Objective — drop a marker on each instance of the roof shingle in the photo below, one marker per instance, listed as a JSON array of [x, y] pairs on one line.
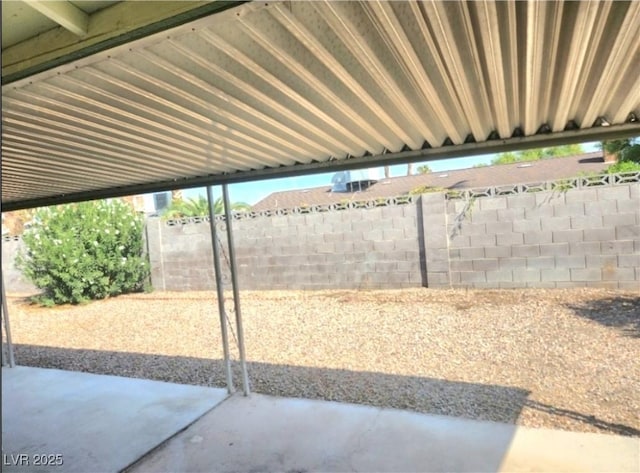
[[504, 174]]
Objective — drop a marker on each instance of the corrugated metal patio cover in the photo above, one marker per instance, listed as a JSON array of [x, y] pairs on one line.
[[272, 85]]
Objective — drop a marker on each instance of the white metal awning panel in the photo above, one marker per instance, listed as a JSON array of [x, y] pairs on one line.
[[267, 85]]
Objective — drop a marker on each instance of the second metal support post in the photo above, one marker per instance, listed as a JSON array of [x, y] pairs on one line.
[[236, 292], [220, 291]]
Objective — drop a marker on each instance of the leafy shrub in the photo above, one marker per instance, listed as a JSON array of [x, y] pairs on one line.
[[425, 190], [623, 166], [85, 251], [626, 149]]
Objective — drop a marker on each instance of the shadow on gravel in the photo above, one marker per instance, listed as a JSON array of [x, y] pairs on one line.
[[611, 427], [621, 312], [418, 394]]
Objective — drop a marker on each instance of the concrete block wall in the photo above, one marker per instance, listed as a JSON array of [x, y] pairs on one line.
[[435, 241], [579, 238], [181, 256], [358, 248]]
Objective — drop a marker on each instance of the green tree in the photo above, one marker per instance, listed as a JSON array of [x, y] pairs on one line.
[[84, 251], [564, 150], [505, 158], [199, 207], [627, 152], [424, 169], [624, 166], [537, 154], [625, 149]]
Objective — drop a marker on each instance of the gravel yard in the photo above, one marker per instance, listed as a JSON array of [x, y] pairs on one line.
[[567, 359]]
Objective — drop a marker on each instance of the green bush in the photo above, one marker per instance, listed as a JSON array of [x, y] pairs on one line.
[[425, 190], [85, 251], [626, 149], [623, 166]]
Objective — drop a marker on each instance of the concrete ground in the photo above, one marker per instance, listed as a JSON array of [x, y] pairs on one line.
[[268, 434], [104, 423], [91, 423]]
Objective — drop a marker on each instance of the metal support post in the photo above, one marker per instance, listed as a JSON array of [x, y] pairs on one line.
[[236, 293], [7, 328], [220, 292]]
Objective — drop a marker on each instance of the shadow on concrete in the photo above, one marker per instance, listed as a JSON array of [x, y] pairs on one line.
[[71, 422], [620, 311], [418, 394], [117, 424]]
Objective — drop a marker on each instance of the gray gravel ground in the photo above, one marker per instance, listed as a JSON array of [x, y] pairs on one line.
[[565, 359]]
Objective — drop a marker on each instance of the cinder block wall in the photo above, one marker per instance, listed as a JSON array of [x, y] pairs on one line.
[[579, 238], [357, 248], [181, 257]]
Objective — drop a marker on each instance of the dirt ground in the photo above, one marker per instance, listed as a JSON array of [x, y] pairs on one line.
[[567, 359]]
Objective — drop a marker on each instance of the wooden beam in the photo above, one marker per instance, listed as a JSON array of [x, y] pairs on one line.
[[64, 13], [113, 26]]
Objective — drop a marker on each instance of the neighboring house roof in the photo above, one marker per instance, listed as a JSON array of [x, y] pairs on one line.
[[504, 174]]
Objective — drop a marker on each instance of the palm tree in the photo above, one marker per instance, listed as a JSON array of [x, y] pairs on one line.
[[199, 207]]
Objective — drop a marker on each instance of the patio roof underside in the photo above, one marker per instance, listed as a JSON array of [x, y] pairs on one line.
[[273, 89]]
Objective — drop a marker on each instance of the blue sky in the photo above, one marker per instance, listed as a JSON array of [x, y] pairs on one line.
[[252, 192]]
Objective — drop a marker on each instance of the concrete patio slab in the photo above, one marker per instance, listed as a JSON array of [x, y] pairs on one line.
[[107, 424], [94, 423], [268, 434]]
